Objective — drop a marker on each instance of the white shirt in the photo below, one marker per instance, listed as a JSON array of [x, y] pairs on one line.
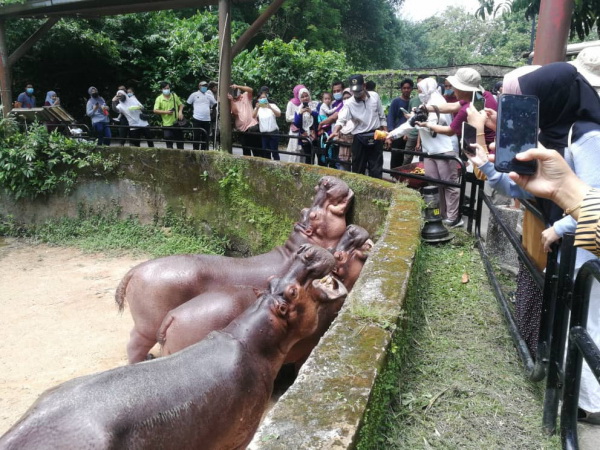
[[267, 121], [367, 114], [133, 115], [202, 103]]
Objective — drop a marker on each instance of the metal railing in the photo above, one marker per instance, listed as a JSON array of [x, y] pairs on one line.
[[187, 135], [580, 347]]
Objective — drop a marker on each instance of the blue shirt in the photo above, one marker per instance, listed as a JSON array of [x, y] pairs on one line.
[[26, 100], [395, 117]]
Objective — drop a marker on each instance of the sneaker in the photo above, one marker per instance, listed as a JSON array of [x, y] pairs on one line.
[[588, 417], [458, 222]]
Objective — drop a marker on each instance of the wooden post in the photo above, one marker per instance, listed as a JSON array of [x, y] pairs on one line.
[[253, 29], [5, 73], [225, 74], [554, 23]]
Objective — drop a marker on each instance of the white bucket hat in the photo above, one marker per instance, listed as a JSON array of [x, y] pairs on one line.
[[588, 65], [466, 79]]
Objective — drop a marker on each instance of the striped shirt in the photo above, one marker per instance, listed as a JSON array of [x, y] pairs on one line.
[[587, 234]]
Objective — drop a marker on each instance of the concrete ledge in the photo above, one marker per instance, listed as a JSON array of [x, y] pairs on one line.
[[325, 408]]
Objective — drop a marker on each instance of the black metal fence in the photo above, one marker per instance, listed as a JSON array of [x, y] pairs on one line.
[[563, 320]]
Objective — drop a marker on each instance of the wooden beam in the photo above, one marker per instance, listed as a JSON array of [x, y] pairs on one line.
[[31, 41], [5, 72], [225, 74], [255, 27]]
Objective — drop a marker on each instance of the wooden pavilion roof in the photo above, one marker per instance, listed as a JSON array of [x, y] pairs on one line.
[[95, 8]]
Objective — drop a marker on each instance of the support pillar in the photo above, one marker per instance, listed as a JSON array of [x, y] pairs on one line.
[[5, 73], [225, 74], [554, 23]]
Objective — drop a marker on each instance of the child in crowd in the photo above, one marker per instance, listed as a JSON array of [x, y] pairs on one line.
[[324, 109]]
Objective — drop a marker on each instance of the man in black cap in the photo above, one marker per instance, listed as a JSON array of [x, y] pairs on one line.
[[365, 110]]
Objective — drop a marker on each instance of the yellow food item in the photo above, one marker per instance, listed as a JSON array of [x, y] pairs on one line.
[[380, 135], [418, 171]]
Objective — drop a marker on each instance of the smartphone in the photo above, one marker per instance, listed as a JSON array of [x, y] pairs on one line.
[[404, 111], [305, 104], [469, 136], [516, 132], [478, 101]]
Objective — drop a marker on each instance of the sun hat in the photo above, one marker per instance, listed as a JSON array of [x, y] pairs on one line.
[[466, 79], [588, 65]]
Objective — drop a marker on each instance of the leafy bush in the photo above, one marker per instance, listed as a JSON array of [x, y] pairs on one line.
[[37, 162], [282, 65]]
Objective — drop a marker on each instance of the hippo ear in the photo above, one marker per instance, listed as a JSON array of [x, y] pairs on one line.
[[341, 257], [329, 288]]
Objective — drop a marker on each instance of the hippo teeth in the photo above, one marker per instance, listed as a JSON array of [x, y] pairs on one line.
[[329, 281]]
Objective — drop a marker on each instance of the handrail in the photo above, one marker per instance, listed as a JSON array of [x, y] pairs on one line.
[[580, 346]]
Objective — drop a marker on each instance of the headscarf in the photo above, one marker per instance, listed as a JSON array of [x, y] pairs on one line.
[[307, 119], [510, 83], [296, 98], [129, 101], [566, 97], [49, 95], [429, 92], [98, 99]]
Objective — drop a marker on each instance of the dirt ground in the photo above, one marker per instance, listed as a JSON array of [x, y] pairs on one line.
[[59, 320]]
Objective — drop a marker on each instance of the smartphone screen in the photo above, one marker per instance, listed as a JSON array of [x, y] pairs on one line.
[[404, 111], [516, 132], [478, 101], [305, 104], [469, 136]]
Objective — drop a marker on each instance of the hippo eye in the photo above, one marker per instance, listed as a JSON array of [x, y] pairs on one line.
[[292, 292]]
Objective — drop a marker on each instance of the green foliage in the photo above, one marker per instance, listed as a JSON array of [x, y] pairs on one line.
[[452, 378], [282, 65], [37, 162], [585, 19], [103, 230]]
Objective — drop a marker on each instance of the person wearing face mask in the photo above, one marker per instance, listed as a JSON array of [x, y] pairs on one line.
[[51, 99], [449, 92], [267, 112], [98, 111], [129, 106], [366, 111], [26, 99], [202, 100], [443, 169], [170, 107], [123, 130], [305, 121]]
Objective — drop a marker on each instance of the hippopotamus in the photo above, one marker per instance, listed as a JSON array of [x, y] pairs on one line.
[[155, 287], [193, 320], [350, 254], [211, 395]]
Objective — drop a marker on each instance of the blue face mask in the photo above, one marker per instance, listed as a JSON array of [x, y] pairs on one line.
[[130, 94], [166, 91], [264, 101], [337, 96], [29, 90], [449, 92], [203, 89]]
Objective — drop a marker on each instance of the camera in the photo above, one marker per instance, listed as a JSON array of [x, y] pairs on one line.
[[421, 115]]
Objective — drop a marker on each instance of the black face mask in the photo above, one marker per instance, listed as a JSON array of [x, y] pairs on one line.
[[122, 98], [95, 95]]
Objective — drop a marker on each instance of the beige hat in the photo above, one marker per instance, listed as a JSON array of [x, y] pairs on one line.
[[588, 65], [466, 79]]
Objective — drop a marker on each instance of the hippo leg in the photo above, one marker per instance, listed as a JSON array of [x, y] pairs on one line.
[[138, 347]]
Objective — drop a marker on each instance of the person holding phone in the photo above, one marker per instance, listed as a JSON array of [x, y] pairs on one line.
[[98, 111], [170, 108], [240, 100], [294, 145], [569, 120], [266, 113], [440, 144], [306, 122]]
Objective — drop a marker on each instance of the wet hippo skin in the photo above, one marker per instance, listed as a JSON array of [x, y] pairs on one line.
[[155, 287], [208, 396]]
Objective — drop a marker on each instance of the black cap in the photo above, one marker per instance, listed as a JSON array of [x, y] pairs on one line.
[[357, 83]]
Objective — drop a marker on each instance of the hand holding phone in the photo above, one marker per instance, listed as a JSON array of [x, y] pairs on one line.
[[478, 101], [469, 136], [517, 131], [404, 111]]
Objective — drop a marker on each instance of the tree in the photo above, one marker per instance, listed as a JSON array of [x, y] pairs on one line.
[[586, 13]]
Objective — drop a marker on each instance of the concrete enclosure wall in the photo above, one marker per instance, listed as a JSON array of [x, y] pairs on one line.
[[254, 203]]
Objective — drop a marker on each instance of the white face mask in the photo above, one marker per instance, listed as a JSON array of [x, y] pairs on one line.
[[423, 98]]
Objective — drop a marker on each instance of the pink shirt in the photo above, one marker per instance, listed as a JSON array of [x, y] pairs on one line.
[[461, 116], [242, 111]]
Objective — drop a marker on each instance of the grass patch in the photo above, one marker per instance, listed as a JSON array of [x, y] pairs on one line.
[[460, 384], [104, 231]]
